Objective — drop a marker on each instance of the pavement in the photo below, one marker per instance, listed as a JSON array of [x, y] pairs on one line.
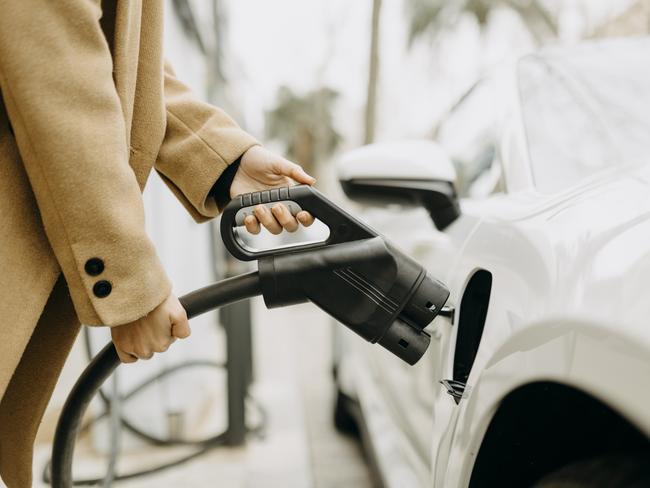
[[300, 447]]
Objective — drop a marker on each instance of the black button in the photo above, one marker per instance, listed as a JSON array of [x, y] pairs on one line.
[[94, 266], [102, 288]]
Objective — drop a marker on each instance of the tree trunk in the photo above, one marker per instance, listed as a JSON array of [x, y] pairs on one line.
[[216, 81], [373, 74]]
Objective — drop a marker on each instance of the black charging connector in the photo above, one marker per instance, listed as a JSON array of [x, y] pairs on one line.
[[356, 275]]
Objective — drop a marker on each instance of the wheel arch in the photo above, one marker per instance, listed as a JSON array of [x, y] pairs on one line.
[[543, 367], [541, 426]]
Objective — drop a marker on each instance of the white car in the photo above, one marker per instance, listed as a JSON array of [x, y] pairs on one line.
[[538, 373]]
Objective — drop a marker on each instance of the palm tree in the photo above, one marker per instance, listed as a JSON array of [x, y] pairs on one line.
[[431, 17], [305, 124]]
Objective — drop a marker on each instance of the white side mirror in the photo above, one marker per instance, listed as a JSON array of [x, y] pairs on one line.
[[408, 172], [404, 160]]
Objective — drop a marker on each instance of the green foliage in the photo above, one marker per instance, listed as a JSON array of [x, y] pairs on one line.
[[424, 16], [429, 18], [305, 124]]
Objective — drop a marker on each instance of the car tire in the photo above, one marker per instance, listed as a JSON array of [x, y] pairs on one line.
[[344, 419], [621, 471]]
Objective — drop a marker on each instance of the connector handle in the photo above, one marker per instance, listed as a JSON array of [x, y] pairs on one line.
[[343, 227]]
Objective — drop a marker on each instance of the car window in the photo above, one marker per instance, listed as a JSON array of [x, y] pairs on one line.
[[468, 134], [585, 109]]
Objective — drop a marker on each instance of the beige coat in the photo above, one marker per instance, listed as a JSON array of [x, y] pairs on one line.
[[87, 110]]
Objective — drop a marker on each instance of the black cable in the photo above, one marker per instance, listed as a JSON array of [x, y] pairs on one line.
[[114, 411], [58, 471], [150, 438], [205, 444]]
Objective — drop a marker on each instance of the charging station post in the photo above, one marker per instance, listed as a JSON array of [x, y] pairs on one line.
[[236, 322]]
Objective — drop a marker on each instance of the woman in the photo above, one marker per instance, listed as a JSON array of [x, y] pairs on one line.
[[88, 108]]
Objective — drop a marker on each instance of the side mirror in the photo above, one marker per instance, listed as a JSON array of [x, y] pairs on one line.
[[408, 173]]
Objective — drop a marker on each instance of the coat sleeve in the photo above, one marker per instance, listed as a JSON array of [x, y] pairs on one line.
[[200, 142], [57, 85]]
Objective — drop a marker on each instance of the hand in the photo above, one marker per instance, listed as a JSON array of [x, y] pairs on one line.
[[153, 333], [260, 169]]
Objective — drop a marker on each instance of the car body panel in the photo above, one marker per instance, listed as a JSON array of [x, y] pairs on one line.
[[573, 311]]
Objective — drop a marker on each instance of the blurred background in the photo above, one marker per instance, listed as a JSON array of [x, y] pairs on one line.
[[311, 80]]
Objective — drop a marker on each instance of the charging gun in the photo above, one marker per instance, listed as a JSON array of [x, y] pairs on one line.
[[355, 275]]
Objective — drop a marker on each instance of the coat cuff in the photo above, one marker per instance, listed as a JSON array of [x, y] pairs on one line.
[[112, 286]]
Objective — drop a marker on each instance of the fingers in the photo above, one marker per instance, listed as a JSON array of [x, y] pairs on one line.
[[277, 218], [181, 328], [125, 357], [260, 169], [252, 225], [305, 218], [266, 218], [284, 218], [143, 351], [164, 345], [145, 355]]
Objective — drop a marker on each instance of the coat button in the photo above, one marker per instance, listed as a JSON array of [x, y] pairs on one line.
[[102, 288], [94, 266]]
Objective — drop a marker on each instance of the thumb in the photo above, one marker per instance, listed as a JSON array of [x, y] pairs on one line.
[[296, 173]]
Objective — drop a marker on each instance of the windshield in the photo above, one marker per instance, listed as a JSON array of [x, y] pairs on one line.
[[585, 109]]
